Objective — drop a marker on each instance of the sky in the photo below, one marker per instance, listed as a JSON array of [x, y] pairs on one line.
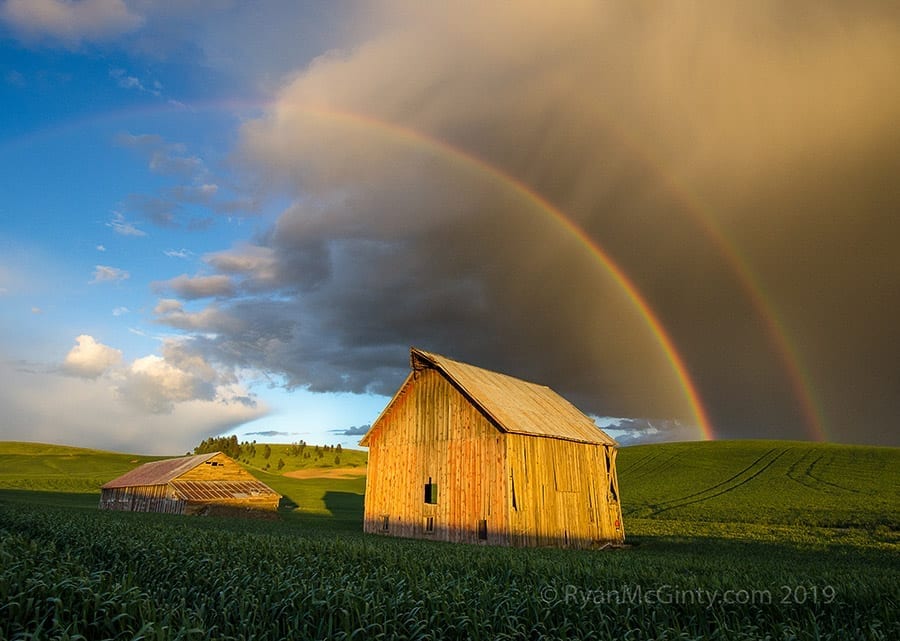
[[230, 217]]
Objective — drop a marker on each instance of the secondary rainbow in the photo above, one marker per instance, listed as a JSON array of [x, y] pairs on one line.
[[749, 282]]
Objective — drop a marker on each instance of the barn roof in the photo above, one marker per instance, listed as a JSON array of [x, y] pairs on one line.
[[159, 472], [514, 405]]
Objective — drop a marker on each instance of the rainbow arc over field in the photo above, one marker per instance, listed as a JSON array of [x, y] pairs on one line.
[[473, 163], [693, 206], [690, 206]]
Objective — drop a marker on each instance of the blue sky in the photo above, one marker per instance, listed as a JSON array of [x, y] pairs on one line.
[[118, 174], [237, 217]]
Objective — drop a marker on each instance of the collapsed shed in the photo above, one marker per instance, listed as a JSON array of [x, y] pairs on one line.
[[205, 483]]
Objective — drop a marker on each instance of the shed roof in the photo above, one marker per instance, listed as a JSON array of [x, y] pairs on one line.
[[159, 472], [514, 405]]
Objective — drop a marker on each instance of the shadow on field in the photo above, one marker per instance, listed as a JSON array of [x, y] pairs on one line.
[[345, 504], [60, 499], [344, 513]]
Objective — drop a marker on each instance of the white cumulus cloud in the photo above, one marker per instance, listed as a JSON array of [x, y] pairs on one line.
[[69, 23], [90, 359], [42, 406]]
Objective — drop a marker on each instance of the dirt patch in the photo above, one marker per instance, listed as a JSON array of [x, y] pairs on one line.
[[327, 473]]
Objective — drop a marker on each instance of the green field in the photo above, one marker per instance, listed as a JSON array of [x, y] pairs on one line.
[[728, 540], [36, 466]]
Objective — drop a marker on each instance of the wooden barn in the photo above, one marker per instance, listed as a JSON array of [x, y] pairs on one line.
[[206, 483], [465, 454]]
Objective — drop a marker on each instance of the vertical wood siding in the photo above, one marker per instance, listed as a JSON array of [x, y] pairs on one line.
[[562, 493], [141, 498], [432, 431]]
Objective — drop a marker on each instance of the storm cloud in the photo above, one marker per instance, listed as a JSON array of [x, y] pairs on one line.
[[738, 161]]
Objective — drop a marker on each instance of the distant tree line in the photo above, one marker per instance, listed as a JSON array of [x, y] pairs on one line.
[[245, 451], [229, 446], [302, 450]]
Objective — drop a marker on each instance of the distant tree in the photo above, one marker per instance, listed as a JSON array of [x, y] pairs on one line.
[[338, 448], [226, 444], [267, 452], [337, 459], [280, 463]]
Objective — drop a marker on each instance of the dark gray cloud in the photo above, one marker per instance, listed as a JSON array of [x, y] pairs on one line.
[[630, 431], [359, 430], [773, 125]]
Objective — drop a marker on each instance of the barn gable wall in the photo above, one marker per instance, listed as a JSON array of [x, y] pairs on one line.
[[219, 468], [432, 431]]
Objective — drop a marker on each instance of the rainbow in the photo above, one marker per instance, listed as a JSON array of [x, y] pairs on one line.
[[773, 325], [691, 205], [447, 151]]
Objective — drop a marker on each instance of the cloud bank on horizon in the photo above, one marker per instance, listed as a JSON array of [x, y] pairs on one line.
[[738, 162]]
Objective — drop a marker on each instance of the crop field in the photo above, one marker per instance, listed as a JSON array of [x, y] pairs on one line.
[[69, 571]]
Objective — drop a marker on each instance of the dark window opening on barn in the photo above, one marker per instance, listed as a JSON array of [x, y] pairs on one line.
[[512, 489], [429, 525], [482, 530], [385, 523], [612, 490], [431, 492]]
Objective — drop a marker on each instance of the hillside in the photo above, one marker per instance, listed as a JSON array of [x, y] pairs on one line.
[[310, 457], [60, 468], [760, 482], [778, 482], [74, 475]]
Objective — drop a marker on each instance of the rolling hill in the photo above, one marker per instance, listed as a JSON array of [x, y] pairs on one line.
[[60, 468], [776, 482], [755, 482]]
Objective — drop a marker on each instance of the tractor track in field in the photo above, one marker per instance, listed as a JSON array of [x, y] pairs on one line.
[[726, 481], [643, 462], [653, 465], [809, 473], [757, 467], [803, 478]]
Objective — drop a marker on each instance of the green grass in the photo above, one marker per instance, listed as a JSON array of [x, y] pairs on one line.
[[76, 573], [59, 468], [769, 482], [802, 536]]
